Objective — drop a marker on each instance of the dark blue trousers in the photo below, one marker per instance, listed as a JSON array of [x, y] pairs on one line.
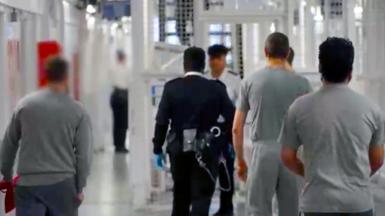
[[49, 200]]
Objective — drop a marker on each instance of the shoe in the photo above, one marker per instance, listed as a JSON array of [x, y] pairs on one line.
[[224, 213], [122, 151]]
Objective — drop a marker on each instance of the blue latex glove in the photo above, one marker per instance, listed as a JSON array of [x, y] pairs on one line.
[[231, 151], [159, 160]]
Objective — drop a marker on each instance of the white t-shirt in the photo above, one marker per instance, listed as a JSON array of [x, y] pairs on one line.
[[120, 76], [232, 81]]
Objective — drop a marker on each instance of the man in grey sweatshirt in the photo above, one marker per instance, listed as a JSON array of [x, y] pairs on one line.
[[53, 135]]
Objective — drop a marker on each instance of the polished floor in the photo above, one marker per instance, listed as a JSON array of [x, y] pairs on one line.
[[107, 193]]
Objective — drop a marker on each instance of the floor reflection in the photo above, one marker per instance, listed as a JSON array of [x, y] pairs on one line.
[[107, 193]]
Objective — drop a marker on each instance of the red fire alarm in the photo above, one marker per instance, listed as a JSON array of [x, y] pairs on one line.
[[46, 49]]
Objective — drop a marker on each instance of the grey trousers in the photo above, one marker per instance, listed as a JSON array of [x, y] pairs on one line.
[[268, 176], [49, 200], [367, 213]]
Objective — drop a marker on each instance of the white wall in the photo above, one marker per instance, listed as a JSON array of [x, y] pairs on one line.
[[34, 6], [373, 75], [40, 20], [94, 82], [28, 52]]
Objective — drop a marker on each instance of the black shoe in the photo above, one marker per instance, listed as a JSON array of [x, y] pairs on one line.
[[224, 213], [122, 151]]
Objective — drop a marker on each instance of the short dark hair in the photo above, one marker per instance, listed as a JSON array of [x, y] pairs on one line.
[[194, 59], [291, 56], [336, 57], [217, 50], [56, 68], [277, 45]]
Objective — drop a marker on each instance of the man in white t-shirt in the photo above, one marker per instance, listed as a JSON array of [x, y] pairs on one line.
[[119, 102], [218, 71]]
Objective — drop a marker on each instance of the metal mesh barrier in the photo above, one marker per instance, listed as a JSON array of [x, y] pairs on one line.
[[244, 5], [175, 25], [239, 48], [335, 8], [176, 21]]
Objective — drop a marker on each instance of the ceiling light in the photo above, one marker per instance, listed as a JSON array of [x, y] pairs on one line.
[[91, 9]]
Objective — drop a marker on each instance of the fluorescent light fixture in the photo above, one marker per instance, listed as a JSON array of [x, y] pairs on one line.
[[66, 4], [125, 19], [318, 15], [91, 21], [312, 10], [91, 9], [270, 3], [358, 10], [114, 25], [272, 27]]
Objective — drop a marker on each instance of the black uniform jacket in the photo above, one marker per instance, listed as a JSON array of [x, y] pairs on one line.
[[191, 102]]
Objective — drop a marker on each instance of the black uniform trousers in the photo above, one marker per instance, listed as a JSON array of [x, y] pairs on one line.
[[193, 187], [119, 106], [226, 197]]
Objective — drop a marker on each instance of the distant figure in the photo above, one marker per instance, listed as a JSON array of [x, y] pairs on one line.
[[342, 134], [52, 134], [190, 107], [218, 71], [266, 95], [119, 102]]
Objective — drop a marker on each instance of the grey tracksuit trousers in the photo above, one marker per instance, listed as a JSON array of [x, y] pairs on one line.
[[268, 176]]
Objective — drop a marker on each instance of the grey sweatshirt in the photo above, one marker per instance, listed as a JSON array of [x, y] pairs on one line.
[[53, 135]]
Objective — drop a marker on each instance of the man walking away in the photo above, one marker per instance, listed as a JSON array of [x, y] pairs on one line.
[[53, 135], [266, 95], [342, 134]]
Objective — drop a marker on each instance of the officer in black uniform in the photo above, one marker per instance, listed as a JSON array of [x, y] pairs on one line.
[[188, 103]]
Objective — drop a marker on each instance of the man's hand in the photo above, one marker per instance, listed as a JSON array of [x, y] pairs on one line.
[[80, 197], [290, 160], [159, 160], [376, 157], [242, 170], [239, 122]]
